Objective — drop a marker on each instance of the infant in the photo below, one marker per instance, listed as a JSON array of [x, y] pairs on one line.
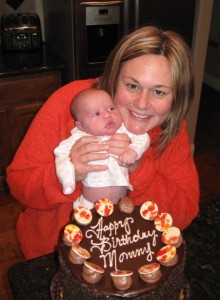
[[96, 114]]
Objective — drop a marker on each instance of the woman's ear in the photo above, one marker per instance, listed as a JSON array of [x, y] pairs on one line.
[[79, 125]]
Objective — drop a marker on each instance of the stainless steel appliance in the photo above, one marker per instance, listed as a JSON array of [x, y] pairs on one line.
[[84, 32], [98, 28], [102, 30], [20, 31]]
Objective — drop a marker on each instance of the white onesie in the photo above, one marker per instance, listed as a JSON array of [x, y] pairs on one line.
[[115, 175]]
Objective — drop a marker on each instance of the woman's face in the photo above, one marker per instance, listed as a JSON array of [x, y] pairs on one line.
[[144, 92]]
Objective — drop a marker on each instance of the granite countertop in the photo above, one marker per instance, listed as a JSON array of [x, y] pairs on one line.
[[31, 279], [29, 61]]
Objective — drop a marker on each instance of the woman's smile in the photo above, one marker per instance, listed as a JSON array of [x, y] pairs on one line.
[[138, 116]]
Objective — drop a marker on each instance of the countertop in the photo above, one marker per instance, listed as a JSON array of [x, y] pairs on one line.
[[32, 61], [31, 279]]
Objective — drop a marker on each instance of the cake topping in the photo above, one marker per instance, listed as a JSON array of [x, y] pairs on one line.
[[171, 236], [149, 268], [81, 251], [163, 221], [104, 207], [167, 255], [78, 255], [93, 267], [150, 273], [120, 273], [73, 234], [126, 205], [83, 215], [122, 279], [92, 273], [149, 210]]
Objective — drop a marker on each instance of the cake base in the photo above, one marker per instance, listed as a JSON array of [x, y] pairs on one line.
[[65, 286]]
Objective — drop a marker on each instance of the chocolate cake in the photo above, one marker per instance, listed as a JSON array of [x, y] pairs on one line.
[[125, 254]]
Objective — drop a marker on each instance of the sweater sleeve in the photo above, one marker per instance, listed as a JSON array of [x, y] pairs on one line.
[[31, 175], [171, 180]]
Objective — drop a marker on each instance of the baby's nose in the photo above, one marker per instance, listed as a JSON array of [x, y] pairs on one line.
[[107, 115]]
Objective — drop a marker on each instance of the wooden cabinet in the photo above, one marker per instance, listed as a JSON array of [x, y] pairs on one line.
[[19, 119], [20, 98]]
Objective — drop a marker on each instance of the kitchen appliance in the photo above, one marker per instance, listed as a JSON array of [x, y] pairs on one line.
[[20, 31], [84, 32], [98, 29]]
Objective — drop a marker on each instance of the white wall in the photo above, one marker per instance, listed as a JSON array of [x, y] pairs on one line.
[[27, 6], [199, 50]]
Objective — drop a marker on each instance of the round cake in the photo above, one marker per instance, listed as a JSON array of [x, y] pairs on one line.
[[120, 251]]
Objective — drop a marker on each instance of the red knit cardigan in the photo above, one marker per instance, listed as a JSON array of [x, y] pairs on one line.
[[170, 180]]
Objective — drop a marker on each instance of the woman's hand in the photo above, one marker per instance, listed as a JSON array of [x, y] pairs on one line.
[[85, 150], [118, 144]]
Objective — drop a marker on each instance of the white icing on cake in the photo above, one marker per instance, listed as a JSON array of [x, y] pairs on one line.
[[107, 242]]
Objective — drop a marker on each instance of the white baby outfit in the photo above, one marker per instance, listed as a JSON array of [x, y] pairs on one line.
[[115, 175]]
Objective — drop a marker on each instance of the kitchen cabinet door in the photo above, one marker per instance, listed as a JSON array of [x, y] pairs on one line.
[[5, 142], [20, 119], [21, 97]]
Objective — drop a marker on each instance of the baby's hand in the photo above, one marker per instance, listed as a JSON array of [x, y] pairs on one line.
[[128, 157]]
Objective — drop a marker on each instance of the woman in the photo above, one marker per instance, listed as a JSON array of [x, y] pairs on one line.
[[149, 75]]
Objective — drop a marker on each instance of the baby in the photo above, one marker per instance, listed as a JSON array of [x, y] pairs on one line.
[[96, 114]]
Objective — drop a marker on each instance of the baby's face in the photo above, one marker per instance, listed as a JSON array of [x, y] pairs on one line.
[[99, 115]]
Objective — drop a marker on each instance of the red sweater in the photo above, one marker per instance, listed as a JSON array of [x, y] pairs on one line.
[[170, 180]]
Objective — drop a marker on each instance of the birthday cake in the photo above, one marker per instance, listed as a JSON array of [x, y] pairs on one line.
[[120, 251]]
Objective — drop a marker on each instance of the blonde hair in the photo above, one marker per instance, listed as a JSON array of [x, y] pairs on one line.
[[153, 40]]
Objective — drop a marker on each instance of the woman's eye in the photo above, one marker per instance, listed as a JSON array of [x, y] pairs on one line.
[[158, 93], [132, 86]]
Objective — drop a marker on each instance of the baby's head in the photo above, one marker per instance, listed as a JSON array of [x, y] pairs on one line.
[[95, 112]]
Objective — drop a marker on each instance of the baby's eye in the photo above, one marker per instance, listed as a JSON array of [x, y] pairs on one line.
[[96, 114], [112, 108]]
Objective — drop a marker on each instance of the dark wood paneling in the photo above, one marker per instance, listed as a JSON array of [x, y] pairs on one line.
[[20, 98]]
